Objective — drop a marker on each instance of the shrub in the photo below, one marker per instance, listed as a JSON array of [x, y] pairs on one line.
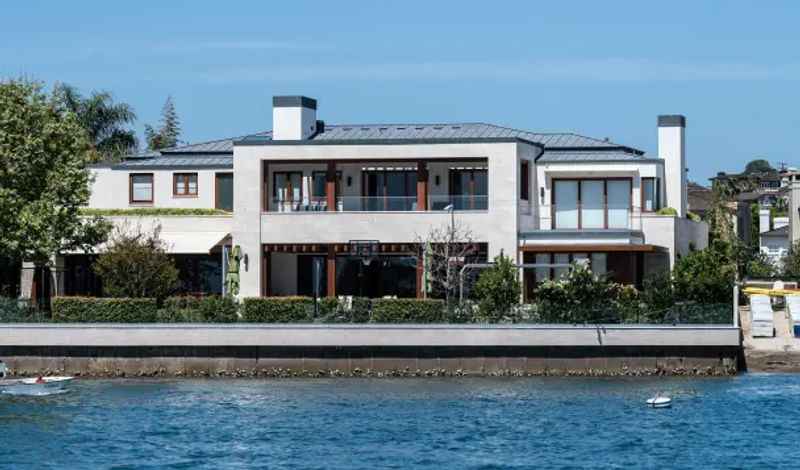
[[693, 217], [579, 296], [667, 211], [97, 310], [213, 309], [498, 290], [277, 309], [408, 311], [151, 212], [12, 310], [137, 265], [706, 276], [335, 310]]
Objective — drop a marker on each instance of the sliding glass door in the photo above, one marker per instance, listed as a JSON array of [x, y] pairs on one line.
[[591, 203]]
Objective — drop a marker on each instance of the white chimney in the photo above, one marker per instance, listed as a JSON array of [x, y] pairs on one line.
[[672, 149], [293, 117]]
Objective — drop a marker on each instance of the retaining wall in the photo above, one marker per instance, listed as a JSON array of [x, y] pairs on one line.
[[371, 350]]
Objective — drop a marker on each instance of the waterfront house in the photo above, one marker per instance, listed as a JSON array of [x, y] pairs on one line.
[[310, 193]]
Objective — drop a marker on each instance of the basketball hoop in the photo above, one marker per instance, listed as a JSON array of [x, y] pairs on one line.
[[365, 249]]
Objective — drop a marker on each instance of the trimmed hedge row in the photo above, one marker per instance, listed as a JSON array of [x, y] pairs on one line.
[[96, 310], [254, 310]]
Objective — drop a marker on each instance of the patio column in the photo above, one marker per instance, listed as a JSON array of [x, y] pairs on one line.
[[266, 289], [330, 186], [331, 271], [422, 185]]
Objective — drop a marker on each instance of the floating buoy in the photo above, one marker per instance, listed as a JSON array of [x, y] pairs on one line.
[[659, 402]]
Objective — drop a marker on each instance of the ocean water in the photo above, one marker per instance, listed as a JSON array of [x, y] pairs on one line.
[[748, 421]]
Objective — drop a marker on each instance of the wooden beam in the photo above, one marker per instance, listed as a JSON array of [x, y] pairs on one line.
[[330, 186], [331, 271], [422, 185]]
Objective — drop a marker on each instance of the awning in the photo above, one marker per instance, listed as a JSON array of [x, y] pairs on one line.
[[192, 242]]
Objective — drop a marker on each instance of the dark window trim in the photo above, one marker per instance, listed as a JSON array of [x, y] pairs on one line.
[[217, 205], [656, 194], [130, 188], [524, 190], [605, 196], [182, 179]]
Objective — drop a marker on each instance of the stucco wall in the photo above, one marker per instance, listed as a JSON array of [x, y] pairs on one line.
[[111, 189], [676, 234]]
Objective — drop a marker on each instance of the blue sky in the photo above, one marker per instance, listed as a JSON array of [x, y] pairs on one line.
[[605, 69]]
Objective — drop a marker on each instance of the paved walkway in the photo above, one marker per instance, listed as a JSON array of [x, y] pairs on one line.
[[780, 353]]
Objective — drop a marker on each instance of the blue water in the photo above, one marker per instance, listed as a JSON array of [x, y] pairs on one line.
[[483, 423]]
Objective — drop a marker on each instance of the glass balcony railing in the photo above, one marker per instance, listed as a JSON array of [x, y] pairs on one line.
[[382, 204], [589, 217]]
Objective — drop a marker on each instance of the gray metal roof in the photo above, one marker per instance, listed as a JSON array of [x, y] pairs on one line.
[[557, 156], [778, 232], [559, 146], [179, 160]]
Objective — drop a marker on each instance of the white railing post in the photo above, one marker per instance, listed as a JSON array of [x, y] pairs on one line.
[[736, 305]]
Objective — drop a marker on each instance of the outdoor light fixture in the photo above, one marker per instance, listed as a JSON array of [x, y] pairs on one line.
[[246, 260]]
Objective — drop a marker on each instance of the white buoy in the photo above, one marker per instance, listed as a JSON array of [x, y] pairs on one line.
[[659, 402]]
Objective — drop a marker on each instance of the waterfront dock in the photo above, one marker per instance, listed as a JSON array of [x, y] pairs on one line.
[[780, 353]]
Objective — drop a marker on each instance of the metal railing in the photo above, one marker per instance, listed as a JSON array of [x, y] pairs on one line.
[[382, 204], [589, 217]]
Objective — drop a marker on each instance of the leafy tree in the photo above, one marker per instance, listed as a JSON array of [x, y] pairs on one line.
[[580, 296], [760, 267], [498, 289], [169, 131], [44, 180], [105, 121], [707, 276], [136, 264], [446, 249], [791, 262], [758, 165]]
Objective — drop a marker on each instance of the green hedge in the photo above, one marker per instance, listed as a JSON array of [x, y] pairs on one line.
[[333, 310], [408, 311], [213, 309], [12, 310], [278, 309], [95, 310], [151, 211]]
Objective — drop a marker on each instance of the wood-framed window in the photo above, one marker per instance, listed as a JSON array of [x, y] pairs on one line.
[[651, 200], [287, 190], [389, 189], [184, 184], [591, 203], [469, 188], [140, 188], [525, 180]]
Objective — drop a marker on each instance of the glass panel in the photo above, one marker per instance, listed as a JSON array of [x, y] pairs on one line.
[[296, 180], [142, 189], [395, 190], [579, 257], [225, 191], [566, 201], [599, 263], [542, 274], [560, 258], [592, 214], [648, 194], [318, 185], [619, 203], [192, 183]]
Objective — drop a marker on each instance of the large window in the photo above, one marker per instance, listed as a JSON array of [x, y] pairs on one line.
[[591, 203], [390, 190], [469, 188], [525, 178], [318, 182], [287, 190], [141, 188], [184, 184], [224, 192], [650, 195]]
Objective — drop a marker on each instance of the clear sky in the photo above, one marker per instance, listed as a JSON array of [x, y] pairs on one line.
[[605, 69]]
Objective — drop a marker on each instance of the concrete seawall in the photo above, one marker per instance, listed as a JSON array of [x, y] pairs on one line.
[[367, 350]]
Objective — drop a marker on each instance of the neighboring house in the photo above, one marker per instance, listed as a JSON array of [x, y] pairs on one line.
[[312, 194], [700, 199], [775, 243]]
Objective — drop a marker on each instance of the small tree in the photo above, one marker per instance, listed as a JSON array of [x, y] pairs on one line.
[[758, 165], [580, 296], [707, 276], [498, 289], [791, 262], [445, 250], [168, 133], [136, 264]]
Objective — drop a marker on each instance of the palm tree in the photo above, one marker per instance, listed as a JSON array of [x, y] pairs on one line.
[[105, 121]]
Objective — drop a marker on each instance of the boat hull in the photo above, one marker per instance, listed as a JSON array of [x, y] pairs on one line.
[[34, 387]]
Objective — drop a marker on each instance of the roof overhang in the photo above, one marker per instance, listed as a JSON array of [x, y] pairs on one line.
[[593, 247]]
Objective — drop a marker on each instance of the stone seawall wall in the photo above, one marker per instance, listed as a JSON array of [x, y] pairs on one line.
[[258, 361]]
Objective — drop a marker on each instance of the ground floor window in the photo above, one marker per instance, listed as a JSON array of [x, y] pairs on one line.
[[199, 274], [79, 276], [622, 267], [380, 276]]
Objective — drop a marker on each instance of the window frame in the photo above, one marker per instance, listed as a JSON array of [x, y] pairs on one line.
[[182, 179], [288, 175], [133, 201], [553, 202], [217, 204], [656, 194], [324, 174], [525, 180]]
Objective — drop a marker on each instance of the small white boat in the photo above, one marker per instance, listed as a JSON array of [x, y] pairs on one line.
[[38, 386], [659, 401]]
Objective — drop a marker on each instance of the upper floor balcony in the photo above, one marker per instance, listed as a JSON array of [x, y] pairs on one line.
[[418, 186]]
